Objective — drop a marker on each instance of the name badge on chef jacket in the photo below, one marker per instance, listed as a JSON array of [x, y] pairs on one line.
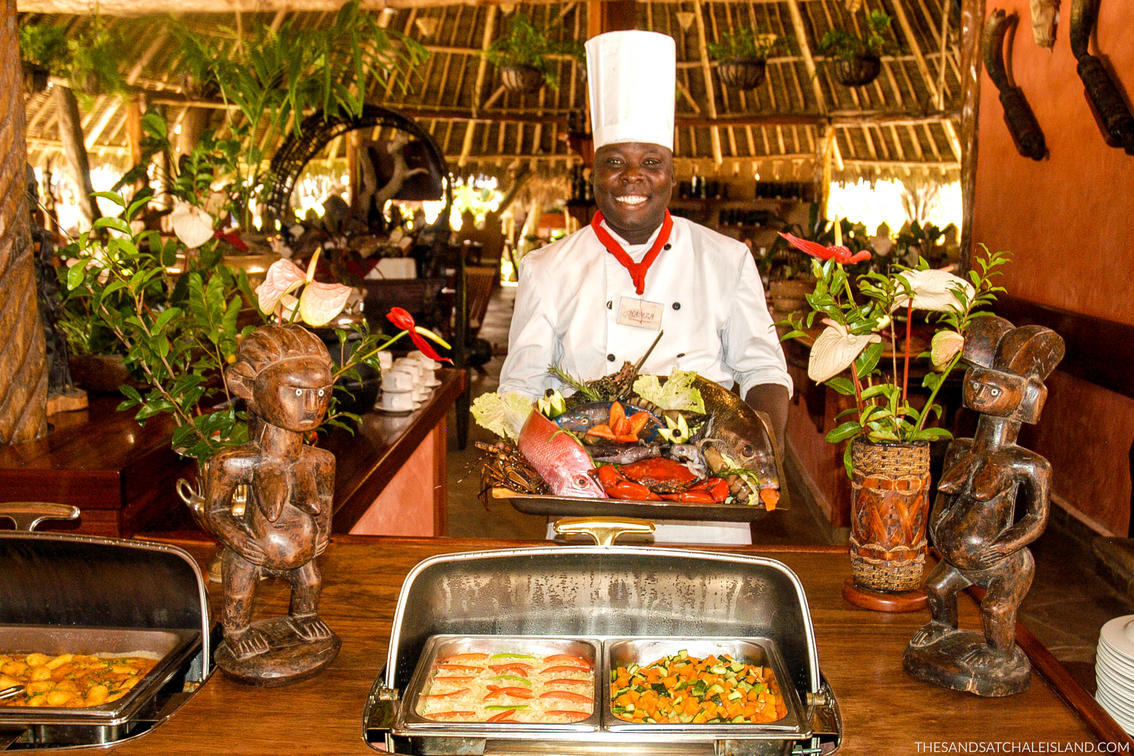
[[639, 313]]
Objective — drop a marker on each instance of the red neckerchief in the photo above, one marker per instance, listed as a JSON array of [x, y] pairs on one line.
[[637, 270]]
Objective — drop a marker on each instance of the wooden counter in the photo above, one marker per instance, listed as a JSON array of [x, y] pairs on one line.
[[390, 475], [122, 475], [860, 653]]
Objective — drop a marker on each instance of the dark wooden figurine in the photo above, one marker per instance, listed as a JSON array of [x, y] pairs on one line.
[[283, 372], [974, 524]]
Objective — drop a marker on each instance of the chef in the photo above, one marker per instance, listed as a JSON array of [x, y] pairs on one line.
[[601, 296]]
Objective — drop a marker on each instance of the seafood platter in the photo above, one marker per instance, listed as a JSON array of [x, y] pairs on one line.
[[600, 649], [674, 447], [100, 639]]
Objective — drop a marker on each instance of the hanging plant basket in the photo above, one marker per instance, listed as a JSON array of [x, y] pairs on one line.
[[521, 79], [857, 71], [742, 73]]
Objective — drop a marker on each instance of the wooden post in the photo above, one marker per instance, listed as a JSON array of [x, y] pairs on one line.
[[75, 150], [972, 23], [23, 362]]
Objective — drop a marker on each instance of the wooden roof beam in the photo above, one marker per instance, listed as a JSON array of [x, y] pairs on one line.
[[710, 93], [919, 57], [800, 32]]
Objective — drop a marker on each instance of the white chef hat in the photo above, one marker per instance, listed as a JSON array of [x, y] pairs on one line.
[[632, 77]]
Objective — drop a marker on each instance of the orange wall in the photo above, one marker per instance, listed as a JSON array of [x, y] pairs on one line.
[[1069, 222]]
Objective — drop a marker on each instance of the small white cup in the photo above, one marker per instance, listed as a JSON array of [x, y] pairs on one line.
[[385, 360], [397, 401], [421, 357], [396, 380], [408, 365]]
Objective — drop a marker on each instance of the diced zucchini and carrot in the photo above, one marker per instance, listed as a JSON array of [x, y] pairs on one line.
[[684, 689]]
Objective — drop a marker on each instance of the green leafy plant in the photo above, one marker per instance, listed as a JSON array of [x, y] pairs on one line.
[[176, 331], [272, 78], [45, 46], [916, 240], [861, 318], [92, 61], [525, 45], [746, 43], [847, 45], [98, 58]]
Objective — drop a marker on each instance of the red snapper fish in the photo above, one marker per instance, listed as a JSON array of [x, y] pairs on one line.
[[558, 457]]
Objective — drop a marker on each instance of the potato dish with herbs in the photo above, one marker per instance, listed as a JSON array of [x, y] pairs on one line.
[[70, 680]]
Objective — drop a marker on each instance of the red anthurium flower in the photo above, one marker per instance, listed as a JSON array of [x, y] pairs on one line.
[[402, 319], [837, 252]]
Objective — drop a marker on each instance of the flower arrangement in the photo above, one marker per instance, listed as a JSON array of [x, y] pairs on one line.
[[179, 326], [859, 318]]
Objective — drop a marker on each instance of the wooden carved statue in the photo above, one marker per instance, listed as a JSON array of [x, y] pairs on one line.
[[974, 523], [283, 372]]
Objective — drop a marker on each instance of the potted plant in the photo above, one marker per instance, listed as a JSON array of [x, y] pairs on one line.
[[742, 55], [886, 431], [858, 57], [525, 56]]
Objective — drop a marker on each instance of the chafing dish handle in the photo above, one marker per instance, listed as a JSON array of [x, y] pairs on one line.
[[379, 717], [27, 514], [605, 530]]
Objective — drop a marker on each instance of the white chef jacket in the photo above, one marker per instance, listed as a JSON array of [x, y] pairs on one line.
[[714, 317]]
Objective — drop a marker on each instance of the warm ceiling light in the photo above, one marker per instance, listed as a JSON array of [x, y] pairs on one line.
[[426, 26], [685, 18]]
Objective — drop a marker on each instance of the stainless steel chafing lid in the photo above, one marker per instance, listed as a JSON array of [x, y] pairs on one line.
[[591, 591], [68, 580]]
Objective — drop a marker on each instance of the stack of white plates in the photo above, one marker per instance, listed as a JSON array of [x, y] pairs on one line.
[[1114, 670]]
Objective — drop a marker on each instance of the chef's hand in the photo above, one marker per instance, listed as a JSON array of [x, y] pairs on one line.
[[771, 399]]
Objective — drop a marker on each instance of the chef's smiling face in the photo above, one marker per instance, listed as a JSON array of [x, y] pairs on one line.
[[633, 183]]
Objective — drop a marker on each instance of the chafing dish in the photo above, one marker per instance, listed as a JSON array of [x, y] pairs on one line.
[[84, 594], [606, 595]]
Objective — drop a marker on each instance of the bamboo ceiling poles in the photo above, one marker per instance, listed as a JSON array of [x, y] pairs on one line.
[[23, 364]]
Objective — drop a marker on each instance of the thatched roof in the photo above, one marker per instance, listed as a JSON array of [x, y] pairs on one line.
[[904, 123]]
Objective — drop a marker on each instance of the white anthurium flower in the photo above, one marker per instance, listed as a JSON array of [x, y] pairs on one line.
[[192, 225], [835, 350], [320, 303], [283, 277], [944, 347], [932, 290]]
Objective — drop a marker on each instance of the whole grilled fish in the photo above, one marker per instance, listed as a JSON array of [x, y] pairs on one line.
[[741, 433], [558, 457]]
